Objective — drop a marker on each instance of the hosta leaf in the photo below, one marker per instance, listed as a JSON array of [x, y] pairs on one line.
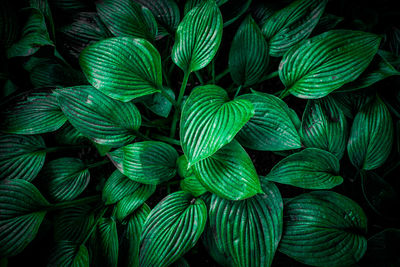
[[324, 228], [123, 68], [171, 229], [272, 128], [22, 210], [107, 242], [21, 157], [117, 187], [68, 135], [311, 168], [324, 126], [210, 120], [148, 162], [324, 63], [229, 173], [39, 113], [371, 136], [198, 37], [292, 24], [67, 253], [102, 119], [158, 103], [248, 57], [382, 249], [183, 168], [193, 186], [248, 231]]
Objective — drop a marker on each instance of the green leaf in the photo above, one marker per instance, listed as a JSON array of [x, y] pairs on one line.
[[117, 187], [324, 126], [272, 128], [171, 229], [22, 210], [371, 136], [21, 157], [67, 253], [327, 22], [248, 231], [248, 57], [311, 168], [198, 37], [324, 63], [38, 114], [102, 119], [193, 186], [44, 7], [148, 162], [210, 120], [123, 68], [68, 135], [107, 243], [232, 10], [292, 24], [158, 103], [229, 173], [183, 168], [324, 228]]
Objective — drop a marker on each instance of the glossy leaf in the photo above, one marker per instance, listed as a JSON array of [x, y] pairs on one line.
[[311, 168], [102, 119], [193, 186], [248, 231], [117, 187], [198, 37], [248, 57], [123, 68], [148, 162], [273, 126], [371, 136], [22, 210], [107, 242], [210, 120], [229, 173], [171, 229], [21, 157], [324, 228], [324, 63], [292, 24], [67, 253]]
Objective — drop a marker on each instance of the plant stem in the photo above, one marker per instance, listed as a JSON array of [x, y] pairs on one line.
[[221, 75], [73, 203], [166, 139], [97, 164], [270, 76], [238, 90], [199, 77], [139, 134], [100, 215], [213, 71], [179, 102], [392, 168]]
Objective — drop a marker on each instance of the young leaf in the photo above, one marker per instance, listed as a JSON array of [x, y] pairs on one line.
[[148, 162], [67, 253], [171, 229], [107, 242], [371, 136], [292, 24], [210, 120], [311, 168], [22, 210], [123, 68], [248, 231], [324, 228], [102, 119], [324, 63], [198, 37], [272, 128], [193, 186], [248, 57]]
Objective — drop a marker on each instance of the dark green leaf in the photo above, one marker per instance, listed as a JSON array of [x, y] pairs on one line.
[[68, 135], [233, 10], [107, 243], [327, 22], [67, 253], [117, 187], [158, 103], [193, 186], [44, 7]]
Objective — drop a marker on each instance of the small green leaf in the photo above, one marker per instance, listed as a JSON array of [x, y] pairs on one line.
[[158, 103], [107, 246], [67, 253], [193, 186], [171, 229], [183, 168], [123, 68], [311, 168]]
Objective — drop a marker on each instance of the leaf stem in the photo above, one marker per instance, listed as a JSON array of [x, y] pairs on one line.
[[270, 76], [73, 203], [97, 164], [221, 75], [180, 98], [166, 139], [238, 90], [199, 77], [99, 216]]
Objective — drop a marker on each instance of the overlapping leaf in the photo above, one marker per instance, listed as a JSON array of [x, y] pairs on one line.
[[158, 103], [67, 253], [68, 135], [193, 186], [107, 247]]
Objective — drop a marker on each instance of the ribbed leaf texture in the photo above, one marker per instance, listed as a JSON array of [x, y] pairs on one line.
[[117, 187], [67, 253], [193, 186], [107, 242]]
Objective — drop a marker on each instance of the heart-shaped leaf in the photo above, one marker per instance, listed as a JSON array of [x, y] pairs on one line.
[[104, 120], [148, 162], [324, 228], [324, 63], [123, 68], [248, 231], [67, 253], [171, 229], [311, 168], [210, 120]]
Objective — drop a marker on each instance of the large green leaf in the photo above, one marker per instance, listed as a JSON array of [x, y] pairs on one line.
[[324, 63], [273, 126], [324, 228], [324, 126], [123, 68], [229, 173], [248, 231], [148, 162], [22, 210], [107, 246], [311, 168], [67, 253], [371, 136], [171, 229], [248, 57], [21, 157], [104, 120], [198, 37], [292, 24], [211, 120]]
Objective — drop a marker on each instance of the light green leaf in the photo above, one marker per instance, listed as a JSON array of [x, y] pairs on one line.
[[193, 186], [67, 253], [183, 168], [107, 242]]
